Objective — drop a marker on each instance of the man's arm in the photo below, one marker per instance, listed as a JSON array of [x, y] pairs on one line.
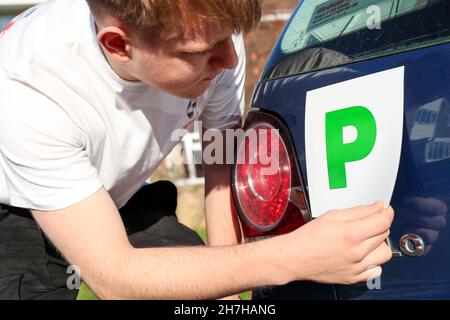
[[91, 235], [222, 225]]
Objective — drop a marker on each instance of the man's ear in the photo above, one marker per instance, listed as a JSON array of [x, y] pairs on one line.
[[115, 41]]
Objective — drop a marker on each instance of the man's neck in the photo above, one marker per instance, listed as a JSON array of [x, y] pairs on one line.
[[117, 68]]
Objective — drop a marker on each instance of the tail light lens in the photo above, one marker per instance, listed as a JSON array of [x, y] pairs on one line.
[[267, 189], [263, 186]]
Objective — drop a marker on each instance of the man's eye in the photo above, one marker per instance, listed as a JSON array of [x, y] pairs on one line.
[[196, 54]]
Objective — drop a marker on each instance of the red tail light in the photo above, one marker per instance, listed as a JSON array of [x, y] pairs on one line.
[[262, 186], [266, 184]]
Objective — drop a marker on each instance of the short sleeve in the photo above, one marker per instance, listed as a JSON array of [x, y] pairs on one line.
[[225, 108], [42, 153]]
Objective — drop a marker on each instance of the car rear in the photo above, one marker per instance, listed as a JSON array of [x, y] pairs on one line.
[[327, 43]]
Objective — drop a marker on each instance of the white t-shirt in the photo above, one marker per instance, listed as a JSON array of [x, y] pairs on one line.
[[69, 125]]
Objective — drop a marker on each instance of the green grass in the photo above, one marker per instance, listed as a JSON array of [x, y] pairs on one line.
[[202, 233], [86, 294]]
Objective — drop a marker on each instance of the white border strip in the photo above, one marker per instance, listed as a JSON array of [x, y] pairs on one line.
[[20, 3], [273, 17]]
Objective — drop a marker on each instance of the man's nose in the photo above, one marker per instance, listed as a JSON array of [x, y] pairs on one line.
[[225, 56]]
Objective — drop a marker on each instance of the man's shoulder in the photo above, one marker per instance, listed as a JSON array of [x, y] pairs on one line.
[[46, 28], [24, 111], [14, 92]]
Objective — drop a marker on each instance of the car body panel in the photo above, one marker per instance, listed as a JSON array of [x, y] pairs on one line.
[[424, 169]]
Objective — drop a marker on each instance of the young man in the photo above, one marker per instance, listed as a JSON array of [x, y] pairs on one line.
[[90, 94]]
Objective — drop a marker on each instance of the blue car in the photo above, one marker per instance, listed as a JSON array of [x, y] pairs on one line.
[[356, 97]]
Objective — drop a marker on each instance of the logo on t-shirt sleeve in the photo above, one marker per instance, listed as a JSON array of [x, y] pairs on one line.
[[20, 16], [192, 109]]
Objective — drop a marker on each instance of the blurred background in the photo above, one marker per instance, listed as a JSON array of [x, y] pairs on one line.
[[189, 178]]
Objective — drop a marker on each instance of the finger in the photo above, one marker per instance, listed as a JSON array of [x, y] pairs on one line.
[[427, 250], [377, 257], [373, 243], [356, 213], [433, 222], [370, 274], [429, 236], [429, 205], [373, 225]]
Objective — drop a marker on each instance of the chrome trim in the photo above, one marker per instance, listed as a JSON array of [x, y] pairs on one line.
[[252, 185], [296, 200], [418, 246], [395, 252]]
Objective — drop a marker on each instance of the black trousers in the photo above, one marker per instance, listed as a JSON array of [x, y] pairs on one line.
[[31, 268]]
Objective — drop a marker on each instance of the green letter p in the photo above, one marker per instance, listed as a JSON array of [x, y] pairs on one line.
[[340, 153]]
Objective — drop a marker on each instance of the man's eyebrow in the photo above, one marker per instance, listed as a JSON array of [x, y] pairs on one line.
[[202, 48]]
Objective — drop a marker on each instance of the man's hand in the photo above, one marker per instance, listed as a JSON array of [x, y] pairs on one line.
[[343, 246]]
